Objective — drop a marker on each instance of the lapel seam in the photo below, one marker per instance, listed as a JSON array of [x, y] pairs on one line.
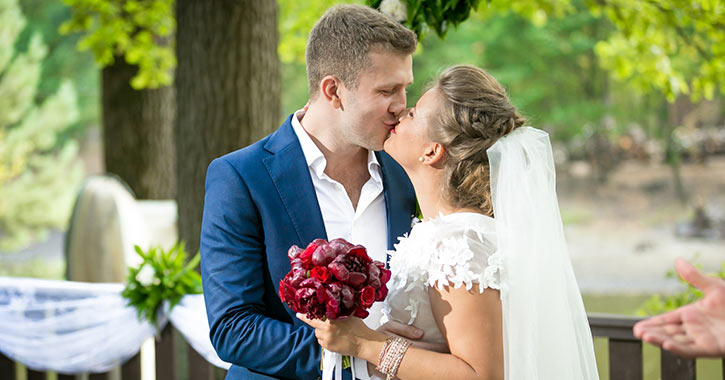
[[281, 193]]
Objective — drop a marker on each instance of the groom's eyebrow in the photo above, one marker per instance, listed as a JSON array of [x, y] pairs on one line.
[[395, 84]]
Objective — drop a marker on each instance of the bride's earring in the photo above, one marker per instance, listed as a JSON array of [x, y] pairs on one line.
[[421, 159]]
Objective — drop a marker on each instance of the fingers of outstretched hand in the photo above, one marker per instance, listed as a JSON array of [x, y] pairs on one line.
[[400, 329], [683, 347], [695, 277]]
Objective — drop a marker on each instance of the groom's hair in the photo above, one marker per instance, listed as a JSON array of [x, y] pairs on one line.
[[339, 43]]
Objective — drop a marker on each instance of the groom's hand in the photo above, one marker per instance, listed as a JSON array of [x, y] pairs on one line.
[[413, 334]]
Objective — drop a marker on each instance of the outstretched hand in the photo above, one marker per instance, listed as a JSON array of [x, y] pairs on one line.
[[695, 330]]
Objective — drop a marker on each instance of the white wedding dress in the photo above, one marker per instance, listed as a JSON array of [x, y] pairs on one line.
[[522, 253], [457, 250]]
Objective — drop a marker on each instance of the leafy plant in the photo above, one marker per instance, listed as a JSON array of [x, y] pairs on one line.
[[162, 276], [659, 304]]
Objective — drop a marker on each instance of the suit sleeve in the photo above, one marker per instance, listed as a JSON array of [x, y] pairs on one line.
[[232, 268]]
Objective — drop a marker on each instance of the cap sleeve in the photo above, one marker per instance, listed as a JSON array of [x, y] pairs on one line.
[[464, 259]]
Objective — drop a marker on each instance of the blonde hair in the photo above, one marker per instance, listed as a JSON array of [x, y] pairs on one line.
[[340, 41], [474, 113]]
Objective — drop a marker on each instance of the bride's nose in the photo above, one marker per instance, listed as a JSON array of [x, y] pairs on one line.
[[402, 114]]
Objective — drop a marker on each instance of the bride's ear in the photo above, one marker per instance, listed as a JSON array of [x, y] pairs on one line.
[[435, 155]]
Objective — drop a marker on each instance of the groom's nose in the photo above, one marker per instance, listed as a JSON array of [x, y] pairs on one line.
[[397, 106]]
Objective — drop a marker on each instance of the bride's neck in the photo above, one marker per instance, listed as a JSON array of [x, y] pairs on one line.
[[429, 192]]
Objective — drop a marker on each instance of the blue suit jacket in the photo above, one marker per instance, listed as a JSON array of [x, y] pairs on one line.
[[259, 201]]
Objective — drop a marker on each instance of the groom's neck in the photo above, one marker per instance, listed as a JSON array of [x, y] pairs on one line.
[[324, 130]]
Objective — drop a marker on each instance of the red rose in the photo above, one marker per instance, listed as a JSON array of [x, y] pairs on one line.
[[367, 296], [320, 274]]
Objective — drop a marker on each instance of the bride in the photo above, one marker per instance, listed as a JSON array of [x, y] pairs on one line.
[[487, 272]]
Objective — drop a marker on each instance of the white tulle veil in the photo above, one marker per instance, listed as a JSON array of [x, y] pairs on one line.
[[545, 327]]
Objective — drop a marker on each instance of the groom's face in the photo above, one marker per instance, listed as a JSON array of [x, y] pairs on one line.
[[371, 110]]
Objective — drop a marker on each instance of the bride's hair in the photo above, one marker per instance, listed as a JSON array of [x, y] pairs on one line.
[[474, 113]]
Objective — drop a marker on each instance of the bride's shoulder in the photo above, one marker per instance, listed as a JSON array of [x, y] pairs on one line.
[[456, 249]]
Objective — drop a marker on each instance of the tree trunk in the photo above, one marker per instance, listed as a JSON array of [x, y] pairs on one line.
[[228, 91], [138, 140]]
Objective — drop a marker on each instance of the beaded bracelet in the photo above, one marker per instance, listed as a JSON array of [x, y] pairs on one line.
[[398, 359], [385, 348], [391, 356]]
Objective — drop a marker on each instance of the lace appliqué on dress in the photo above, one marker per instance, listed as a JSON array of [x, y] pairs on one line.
[[437, 254]]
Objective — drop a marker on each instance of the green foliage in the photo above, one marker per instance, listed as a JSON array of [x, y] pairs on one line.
[[440, 15], [295, 20], [437, 15], [658, 304], [550, 71], [139, 30], [38, 175], [62, 63], [161, 276], [672, 46]]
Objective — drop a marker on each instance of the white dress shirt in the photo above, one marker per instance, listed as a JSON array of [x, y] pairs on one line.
[[365, 225]]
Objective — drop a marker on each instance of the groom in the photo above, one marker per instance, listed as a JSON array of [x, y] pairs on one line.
[[317, 176]]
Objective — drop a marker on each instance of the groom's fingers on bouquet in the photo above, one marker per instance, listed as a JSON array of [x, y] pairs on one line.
[[402, 330]]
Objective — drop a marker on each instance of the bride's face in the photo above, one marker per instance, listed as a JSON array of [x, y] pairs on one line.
[[410, 140]]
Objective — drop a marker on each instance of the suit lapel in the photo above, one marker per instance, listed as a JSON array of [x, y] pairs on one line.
[[288, 169]]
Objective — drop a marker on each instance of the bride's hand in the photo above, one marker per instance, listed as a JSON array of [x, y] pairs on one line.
[[345, 336]]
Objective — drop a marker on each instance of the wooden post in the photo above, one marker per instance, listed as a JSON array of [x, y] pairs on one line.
[[675, 367], [625, 359], [35, 375], [165, 356], [7, 367], [131, 370], [199, 368]]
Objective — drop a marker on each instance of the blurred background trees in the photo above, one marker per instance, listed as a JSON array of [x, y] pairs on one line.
[[38, 169], [611, 80]]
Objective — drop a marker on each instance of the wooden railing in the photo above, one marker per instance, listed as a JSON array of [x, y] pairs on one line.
[[625, 351], [168, 365], [625, 357]]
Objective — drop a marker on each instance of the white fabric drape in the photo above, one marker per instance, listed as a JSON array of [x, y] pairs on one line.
[[76, 327], [546, 332]]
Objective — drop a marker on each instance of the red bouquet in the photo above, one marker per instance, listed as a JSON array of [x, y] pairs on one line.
[[333, 279]]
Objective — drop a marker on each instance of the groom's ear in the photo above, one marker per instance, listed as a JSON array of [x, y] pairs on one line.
[[330, 90]]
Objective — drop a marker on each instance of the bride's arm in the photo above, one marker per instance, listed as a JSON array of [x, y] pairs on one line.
[[470, 322]]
